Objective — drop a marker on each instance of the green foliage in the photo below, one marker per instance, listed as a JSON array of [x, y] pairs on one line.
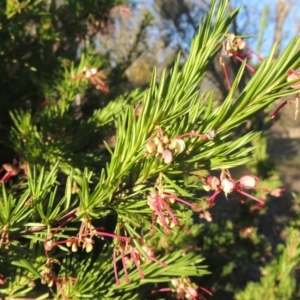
[[277, 280], [88, 219]]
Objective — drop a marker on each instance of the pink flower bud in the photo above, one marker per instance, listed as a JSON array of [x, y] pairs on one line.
[[248, 181], [213, 182], [293, 75], [191, 293], [167, 156]]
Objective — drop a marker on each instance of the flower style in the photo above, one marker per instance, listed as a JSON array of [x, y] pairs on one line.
[[292, 75], [93, 75], [232, 47], [227, 185], [160, 202], [131, 253]]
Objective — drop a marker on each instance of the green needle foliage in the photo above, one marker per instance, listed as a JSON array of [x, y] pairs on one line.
[[86, 219]]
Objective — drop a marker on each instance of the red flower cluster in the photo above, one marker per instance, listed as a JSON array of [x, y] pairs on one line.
[[93, 75], [232, 47]]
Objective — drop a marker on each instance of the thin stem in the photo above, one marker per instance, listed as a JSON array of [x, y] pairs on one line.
[[202, 136]]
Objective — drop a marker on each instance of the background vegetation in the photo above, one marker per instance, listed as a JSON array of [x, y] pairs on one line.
[[73, 150]]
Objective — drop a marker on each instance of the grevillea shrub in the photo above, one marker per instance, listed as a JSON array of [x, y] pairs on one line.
[[82, 219]]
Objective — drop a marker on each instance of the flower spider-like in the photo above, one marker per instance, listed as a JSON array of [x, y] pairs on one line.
[[227, 185], [232, 47], [292, 75], [93, 75]]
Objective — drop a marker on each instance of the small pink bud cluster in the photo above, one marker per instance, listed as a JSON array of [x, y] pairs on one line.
[[84, 239], [232, 47], [93, 75], [47, 273], [50, 278], [162, 146], [227, 185], [292, 75]]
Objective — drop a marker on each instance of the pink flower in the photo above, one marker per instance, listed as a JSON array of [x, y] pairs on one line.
[[227, 185], [232, 47]]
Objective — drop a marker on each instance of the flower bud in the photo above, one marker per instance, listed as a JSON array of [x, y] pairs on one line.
[[48, 245], [50, 284], [172, 144], [89, 247], [93, 71], [160, 148], [74, 247], [227, 185], [150, 148], [167, 156], [230, 36], [156, 141], [165, 140], [191, 293], [88, 73], [213, 182], [180, 145], [175, 282], [240, 43], [293, 76], [248, 181]]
